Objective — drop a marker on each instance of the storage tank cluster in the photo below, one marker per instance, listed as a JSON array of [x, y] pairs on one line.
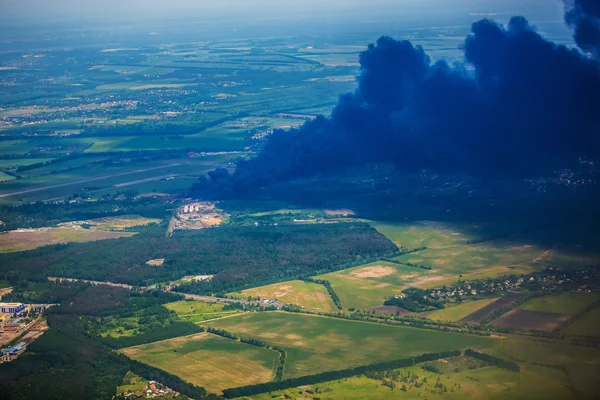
[[190, 209]]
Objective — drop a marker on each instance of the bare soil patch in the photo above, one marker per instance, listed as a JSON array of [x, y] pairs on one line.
[[529, 320], [499, 304], [376, 271], [156, 263], [343, 212]]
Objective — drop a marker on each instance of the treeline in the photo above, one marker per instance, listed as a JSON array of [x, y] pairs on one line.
[[256, 343], [327, 284], [408, 264], [414, 300], [334, 375], [495, 361]]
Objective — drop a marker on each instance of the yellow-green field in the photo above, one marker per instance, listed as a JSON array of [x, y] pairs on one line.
[[460, 311], [32, 238], [563, 303], [308, 295], [114, 223], [489, 383], [198, 311], [581, 363], [316, 344], [207, 360]]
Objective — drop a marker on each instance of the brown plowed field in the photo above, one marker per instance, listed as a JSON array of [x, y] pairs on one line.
[[529, 320], [499, 304]]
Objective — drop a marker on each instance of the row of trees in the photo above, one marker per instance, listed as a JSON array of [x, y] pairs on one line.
[[327, 284], [334, 375], [495, 361]]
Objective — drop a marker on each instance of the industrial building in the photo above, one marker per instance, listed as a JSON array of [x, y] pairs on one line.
[[13, 352], [11, 308]]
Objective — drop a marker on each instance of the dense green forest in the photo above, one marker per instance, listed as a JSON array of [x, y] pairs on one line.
[[71, 362], [238, 257]]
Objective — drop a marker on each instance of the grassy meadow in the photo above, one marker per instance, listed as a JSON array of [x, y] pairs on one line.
[[198, 311], [534, 382]]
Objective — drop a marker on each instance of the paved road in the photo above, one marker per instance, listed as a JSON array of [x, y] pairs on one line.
[[98, 178]]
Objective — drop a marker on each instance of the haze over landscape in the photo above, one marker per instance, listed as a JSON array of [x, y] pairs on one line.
[[299, 199]]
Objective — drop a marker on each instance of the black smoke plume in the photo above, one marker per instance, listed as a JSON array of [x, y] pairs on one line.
[[519, 105], [583, 16]]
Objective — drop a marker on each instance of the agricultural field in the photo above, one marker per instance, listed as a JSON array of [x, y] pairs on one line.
[[456, 313], [28, 239], [581, 363], [533, 382], [587, 325], [564, 303], [198, 311], [370, 285], [112, 223], [530, 320], [503, 302], [316, 344], [310, 296], [207, 360]]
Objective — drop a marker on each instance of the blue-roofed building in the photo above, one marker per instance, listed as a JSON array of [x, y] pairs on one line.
[[13, 352], [11, 308]]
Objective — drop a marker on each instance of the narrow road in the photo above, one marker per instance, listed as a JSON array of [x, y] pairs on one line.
[[98, 178]]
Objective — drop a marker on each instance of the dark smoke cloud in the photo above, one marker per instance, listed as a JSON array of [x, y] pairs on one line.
[[583, 16], [519, 105]]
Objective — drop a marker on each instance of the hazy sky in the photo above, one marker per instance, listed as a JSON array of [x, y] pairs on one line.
[[24, 11]]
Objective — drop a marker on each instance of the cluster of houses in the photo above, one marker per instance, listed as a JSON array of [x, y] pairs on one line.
[[551, 279]]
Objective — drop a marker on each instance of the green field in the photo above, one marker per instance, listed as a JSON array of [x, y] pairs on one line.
[[422, 234], [533, 382], [207, 360], [460, 311], [198, 311], [307, 295], [587, 325], [370, 285], [563, 303], [317, 344], [581, 363], [495, 257]]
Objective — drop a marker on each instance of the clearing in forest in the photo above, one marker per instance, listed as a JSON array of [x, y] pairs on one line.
[[308, 295]]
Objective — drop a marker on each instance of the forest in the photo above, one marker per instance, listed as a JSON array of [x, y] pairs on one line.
[[238, 257]]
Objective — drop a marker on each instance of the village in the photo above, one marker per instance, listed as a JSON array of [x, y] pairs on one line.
[[552, 279]]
